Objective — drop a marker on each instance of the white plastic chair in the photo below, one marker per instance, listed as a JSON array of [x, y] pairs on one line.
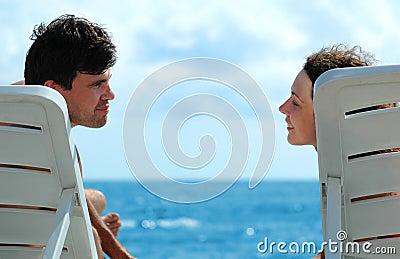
[[43, 211], [359, 169]]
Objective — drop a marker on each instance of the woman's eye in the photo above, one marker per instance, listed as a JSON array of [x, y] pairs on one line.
[[295, 103]]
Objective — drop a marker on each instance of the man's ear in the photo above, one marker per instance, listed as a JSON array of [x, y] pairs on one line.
[[52, 85]]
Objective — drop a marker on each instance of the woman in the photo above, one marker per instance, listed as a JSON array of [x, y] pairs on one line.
[[298, 108]]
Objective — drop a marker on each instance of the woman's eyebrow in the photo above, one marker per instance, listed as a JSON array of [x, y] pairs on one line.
[[297, 96]]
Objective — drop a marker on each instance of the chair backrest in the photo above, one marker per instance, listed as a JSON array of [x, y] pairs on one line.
[[357, 138], [38, 160]]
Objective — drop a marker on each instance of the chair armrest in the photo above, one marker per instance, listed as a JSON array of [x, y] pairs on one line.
[[60, 227], [333, 212]]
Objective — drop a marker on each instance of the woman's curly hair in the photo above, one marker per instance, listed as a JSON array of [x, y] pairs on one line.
[[336, 56]]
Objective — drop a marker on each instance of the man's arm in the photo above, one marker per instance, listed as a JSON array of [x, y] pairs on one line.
[[109, 243]]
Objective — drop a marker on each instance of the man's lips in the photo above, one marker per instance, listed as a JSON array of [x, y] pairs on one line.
[[103, 109]]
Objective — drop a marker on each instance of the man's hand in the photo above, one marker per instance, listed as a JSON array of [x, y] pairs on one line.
[[113, 222], [109, 244]]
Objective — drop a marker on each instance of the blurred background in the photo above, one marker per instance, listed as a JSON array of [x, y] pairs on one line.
[[267, 39]]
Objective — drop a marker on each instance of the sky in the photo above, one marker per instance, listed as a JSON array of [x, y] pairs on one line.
[[269, 40]]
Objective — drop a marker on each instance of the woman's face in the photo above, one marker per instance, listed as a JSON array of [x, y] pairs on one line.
[[299, 112]]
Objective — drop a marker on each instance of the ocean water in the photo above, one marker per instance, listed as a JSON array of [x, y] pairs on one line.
[[240, 223]]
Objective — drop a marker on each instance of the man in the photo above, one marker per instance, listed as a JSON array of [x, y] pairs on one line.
[[74, 57]]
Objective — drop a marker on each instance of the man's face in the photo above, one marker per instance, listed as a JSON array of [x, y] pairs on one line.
[[87, 101]]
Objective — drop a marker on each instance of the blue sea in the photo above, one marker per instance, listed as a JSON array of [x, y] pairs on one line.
[[239, 223]]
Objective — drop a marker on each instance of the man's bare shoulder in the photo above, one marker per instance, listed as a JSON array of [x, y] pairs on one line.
[[20, 82]]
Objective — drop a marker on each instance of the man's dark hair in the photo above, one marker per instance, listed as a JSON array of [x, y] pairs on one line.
[[66, 46]]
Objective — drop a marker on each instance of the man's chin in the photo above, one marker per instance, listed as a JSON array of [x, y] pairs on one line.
[[94, 125], [99, 124]]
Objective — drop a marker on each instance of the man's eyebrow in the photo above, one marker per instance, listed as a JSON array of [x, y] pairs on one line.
[[293, 93], [101, 80], [97, 82]]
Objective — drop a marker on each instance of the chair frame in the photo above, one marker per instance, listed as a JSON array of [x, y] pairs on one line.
[[37, 145], [355, 197]]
